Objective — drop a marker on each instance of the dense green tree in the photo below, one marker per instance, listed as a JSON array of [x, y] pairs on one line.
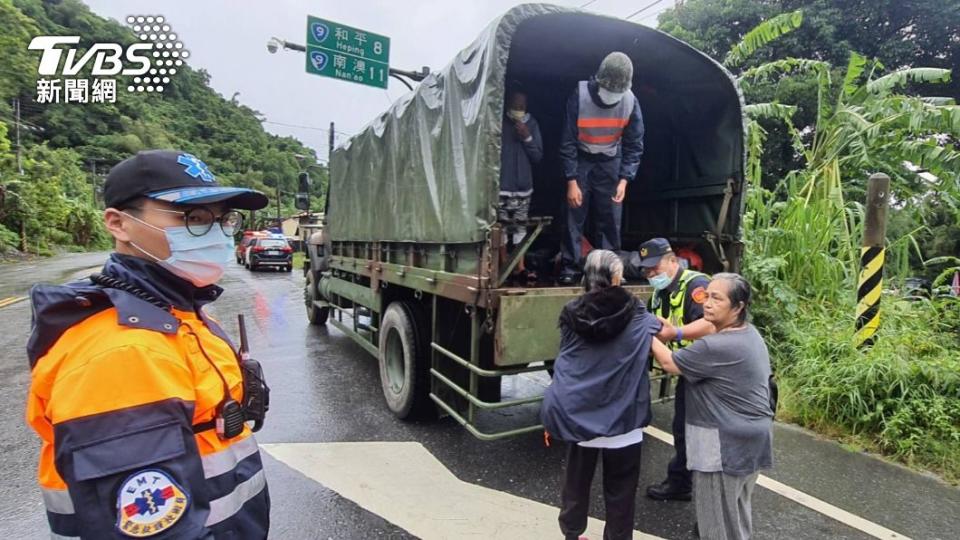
[[897, 32], [67, 142]]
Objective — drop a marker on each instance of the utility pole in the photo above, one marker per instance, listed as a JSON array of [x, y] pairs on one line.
[[16, 112], [330, 145], [326, 196], [93, 180], [870, 283]]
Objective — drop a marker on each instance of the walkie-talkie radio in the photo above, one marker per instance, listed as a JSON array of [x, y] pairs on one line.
[[256, 393], [229, 419], [230, 415]]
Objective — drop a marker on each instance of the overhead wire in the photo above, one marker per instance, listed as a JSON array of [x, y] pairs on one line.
[[644, 8], [316, 128]]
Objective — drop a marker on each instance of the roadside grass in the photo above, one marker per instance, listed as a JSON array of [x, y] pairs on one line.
[[899, 398]]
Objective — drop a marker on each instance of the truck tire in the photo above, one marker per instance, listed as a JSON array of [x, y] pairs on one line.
[[316, 315], [405, 362]]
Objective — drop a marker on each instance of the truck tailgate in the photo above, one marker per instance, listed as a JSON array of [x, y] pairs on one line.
[[526, 327]]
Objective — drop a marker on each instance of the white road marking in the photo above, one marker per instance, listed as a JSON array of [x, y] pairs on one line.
[[405, 484], [811, 502]]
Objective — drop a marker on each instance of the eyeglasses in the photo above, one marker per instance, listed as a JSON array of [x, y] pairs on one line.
[[200, 219]]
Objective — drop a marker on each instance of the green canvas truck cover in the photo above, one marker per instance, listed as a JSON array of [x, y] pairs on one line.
[[427, 169]]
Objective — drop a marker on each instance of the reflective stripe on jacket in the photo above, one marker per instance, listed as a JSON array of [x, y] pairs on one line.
[[677, 304], [600, 129], [115, 400]]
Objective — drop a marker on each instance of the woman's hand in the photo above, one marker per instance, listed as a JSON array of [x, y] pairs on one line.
[[668, 332], [664, 356], [522, 131]]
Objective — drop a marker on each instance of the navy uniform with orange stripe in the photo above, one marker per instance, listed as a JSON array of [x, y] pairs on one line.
[[118, 385], [138, 396], [121, 393], [600, 145]]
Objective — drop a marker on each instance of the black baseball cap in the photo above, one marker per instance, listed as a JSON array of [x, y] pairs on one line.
[[653, 250], [174, 177]]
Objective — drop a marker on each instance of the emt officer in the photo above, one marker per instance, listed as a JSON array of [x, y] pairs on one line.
[[136, 393]]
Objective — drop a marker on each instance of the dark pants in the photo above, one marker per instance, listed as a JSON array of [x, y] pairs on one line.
[[677, 474], [598, 183], [621, 472]]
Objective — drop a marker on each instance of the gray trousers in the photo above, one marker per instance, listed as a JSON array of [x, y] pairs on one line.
[[723, 505]]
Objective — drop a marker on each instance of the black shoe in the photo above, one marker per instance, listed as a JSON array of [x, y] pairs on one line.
[[568, 280], [665, 491]]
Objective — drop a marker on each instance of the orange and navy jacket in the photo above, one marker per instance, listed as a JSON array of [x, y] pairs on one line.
[[577, 164], [120, 392]]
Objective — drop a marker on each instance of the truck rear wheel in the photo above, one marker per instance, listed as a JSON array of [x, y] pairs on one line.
[[405, 361], [316, 315]]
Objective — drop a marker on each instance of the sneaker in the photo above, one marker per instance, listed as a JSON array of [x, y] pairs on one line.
[[568, 280], [665, 491]]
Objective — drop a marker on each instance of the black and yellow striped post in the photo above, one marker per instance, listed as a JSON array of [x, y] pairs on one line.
[[871, 260]]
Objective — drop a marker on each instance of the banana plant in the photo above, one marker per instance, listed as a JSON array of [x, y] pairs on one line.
[[864, 123]]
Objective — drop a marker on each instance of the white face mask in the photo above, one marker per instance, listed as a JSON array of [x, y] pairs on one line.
[[201, 260], [608, 97], [516, 114]]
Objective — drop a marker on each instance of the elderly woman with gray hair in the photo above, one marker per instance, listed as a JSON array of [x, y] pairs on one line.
[[729, 416], [599, 400]]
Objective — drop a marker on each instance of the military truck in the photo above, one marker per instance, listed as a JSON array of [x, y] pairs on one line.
[[408, 261]]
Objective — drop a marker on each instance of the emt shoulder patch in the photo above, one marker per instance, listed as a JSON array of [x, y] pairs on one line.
[[699, 295], [149, 502]]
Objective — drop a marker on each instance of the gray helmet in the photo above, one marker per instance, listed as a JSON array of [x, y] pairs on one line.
[[616, 72]]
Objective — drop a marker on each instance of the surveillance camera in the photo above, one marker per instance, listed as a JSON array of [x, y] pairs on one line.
[[273, 46]]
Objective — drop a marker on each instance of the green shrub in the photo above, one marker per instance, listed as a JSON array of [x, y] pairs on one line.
[[8, 239], [900, 397]]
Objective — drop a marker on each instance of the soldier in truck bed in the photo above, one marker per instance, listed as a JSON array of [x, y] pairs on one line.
[[600, 150]]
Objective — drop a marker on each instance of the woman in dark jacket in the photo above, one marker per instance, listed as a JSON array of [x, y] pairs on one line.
[[599, 400]]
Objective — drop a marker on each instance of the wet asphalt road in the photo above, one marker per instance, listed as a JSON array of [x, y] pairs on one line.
[[325, 388]]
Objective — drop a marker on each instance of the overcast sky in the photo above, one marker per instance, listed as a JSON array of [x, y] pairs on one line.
[[228, 39]]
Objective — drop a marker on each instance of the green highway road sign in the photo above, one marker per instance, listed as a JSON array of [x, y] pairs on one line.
[[347, 53]]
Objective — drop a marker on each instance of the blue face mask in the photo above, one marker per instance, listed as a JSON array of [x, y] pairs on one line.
[[660, 281], [201, 260]]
